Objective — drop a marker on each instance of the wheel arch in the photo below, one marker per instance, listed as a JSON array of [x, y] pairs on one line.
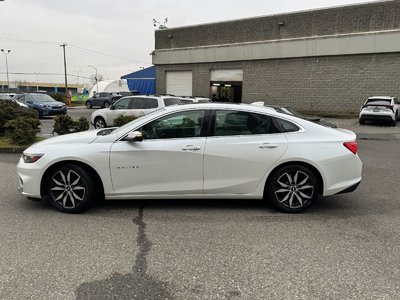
[[96, 177], [302, 163], [100, 116]]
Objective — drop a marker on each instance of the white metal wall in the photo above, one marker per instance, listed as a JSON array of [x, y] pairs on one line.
[[179, 83]]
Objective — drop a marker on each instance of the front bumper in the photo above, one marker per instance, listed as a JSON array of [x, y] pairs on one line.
[[29, 176], [58, 111]]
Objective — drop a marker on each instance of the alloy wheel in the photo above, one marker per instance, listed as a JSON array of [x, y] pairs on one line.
[[293, 189], [67, 189], [99, 123]]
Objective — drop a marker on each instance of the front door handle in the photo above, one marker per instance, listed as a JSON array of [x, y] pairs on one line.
[[267, 146], [191, 148]]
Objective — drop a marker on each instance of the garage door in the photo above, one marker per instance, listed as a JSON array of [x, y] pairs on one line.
[[179, 83]]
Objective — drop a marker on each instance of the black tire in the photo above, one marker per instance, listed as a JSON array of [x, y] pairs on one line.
[[362, 121], [393, 123], [106, 104], [292, 188], [89, 104], [70, 188], [99, 123]]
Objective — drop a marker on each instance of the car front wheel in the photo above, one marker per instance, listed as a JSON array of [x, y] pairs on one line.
[[70, 188], [88, 104], [292, 188], [99, 123]]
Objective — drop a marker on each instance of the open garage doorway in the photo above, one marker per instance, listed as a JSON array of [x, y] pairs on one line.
[[226, 91], [226, 85]]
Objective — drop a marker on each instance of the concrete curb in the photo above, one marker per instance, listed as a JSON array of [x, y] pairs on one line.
[[16, 149]]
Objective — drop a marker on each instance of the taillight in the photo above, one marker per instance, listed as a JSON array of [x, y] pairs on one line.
[[352, 146], [390, 107]]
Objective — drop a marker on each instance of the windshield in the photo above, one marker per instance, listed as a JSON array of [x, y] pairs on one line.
[[5, 97], [42, 98]]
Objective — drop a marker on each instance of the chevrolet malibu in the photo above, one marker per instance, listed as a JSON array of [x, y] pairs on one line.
[[210, 150]]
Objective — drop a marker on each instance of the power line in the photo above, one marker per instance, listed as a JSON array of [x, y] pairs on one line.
[[104, 54], [95, 52], [45, 74], [27, 41]]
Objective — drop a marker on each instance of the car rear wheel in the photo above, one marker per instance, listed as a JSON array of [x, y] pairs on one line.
[[292, 188], [88, 104], [99, 123], [70, 188], [106, 104], [362, 121]]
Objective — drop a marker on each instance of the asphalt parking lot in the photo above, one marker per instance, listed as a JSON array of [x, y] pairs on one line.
[[344, 247]]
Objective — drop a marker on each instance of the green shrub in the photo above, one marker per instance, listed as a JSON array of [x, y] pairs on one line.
[[59, 97], [64, 124], [122, 120], [10, 110], [81, 125], [22, 131]]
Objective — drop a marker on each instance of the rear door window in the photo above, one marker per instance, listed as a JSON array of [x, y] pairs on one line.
[[150, 103], [171, 101], [229, 122]]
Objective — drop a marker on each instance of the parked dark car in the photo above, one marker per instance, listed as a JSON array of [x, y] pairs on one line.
[[43, 103], [290, 111], [104, 99]]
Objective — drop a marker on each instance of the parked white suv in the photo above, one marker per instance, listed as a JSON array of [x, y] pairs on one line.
[[380, 108], [130, 106], [189, 100]]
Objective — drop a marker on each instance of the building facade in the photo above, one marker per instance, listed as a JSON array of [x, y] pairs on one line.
[[25, 87], [324, 61]]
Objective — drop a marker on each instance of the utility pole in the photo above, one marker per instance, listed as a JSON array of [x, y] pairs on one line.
[[77, 84], [8, 79], [65, 69]]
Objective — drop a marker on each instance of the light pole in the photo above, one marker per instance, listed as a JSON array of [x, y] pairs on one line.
[[97, 82], [6, 54], [77, 82]]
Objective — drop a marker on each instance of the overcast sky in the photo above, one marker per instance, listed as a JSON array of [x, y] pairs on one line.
[[121, 29]]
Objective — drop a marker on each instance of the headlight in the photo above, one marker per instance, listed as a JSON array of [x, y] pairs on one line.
[[31, 158]]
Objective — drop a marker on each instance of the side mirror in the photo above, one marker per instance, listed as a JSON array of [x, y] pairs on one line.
[[133, 136], [112, 107], [29, 102]]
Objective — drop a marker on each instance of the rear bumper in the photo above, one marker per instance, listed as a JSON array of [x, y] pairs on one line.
[[378, 116], [350, 189]]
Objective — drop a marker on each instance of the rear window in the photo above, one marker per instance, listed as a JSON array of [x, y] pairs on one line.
[[378, 101], [287, 126], [171, 101]]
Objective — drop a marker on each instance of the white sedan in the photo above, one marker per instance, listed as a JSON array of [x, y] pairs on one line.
[[208, 150]]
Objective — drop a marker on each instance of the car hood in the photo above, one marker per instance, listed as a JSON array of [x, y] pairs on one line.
[[84, 137]]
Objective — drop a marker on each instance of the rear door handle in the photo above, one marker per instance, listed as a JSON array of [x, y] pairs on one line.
[[267, 146], [191, 148]]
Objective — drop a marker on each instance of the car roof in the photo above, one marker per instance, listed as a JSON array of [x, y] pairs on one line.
[[381, 97]]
